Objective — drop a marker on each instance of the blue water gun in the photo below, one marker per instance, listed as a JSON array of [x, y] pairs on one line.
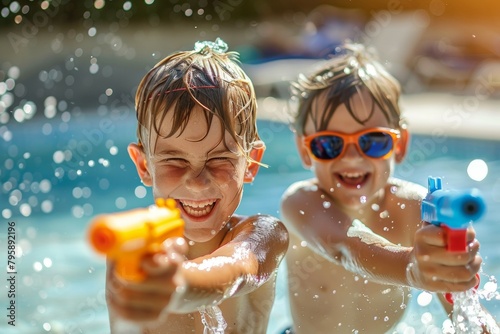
[[453, 210]]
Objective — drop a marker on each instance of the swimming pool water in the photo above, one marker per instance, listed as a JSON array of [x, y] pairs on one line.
[[57, 174]]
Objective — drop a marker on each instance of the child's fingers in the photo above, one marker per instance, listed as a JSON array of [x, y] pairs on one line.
[[135, 309], [440, 256], [431, 234], [143, 301], [168, 261], [160, 264], [435, 235], [177, 245]]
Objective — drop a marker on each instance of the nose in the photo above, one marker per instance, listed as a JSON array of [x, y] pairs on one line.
[[351, 152], [198, 180]]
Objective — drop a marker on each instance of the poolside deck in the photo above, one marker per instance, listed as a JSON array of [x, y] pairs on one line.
[[439, 114]]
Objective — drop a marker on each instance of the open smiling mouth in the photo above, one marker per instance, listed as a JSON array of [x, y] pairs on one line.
[[197, 208], [352, 180]]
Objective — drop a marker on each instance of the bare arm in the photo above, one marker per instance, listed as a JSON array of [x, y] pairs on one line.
[[333, 234], [249, 256]]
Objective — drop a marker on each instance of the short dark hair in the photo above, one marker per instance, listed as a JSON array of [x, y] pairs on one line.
[[212, 80], [350, 71]]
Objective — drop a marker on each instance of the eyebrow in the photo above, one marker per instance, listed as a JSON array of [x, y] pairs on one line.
[[174, 152]]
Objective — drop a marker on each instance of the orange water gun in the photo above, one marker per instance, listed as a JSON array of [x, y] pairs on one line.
[[126, 237]]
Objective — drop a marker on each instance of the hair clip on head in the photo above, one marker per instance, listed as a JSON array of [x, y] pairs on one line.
[[205, 47]]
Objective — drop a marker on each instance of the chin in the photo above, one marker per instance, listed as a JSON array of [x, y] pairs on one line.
[[200, 235]]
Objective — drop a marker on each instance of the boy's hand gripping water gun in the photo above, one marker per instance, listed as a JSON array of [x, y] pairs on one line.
[[126, 237], [452, 210]]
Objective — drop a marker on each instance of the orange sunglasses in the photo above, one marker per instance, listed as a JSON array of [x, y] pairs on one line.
[[374, 143]]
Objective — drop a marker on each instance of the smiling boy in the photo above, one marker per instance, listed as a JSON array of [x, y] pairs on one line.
[[198, 144], [357, 242]]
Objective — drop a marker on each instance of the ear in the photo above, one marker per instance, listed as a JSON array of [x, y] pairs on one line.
[[303, 152], [136, 153], [402, 144], [256, 155]]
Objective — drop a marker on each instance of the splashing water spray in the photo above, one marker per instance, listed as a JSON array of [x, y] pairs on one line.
[[212, 319], [454, 211]]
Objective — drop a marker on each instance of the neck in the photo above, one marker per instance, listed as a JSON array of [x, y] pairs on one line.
[[198, 249]]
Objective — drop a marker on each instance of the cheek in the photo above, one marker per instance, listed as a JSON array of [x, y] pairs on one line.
[[228, 172], [226, 176], [171, 172], [385, 169], [167, 176]]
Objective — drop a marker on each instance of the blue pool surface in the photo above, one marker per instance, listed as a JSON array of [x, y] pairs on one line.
[[58, 174]]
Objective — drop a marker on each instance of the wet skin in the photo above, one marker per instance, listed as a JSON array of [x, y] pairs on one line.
[[344, 278], [223, 258]]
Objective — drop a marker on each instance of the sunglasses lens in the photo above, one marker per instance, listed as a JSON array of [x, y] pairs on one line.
[[326, 147], [376, 144]]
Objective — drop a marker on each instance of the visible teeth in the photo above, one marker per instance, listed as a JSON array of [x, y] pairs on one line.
[[197, 204], [352, 175], [197, 208]]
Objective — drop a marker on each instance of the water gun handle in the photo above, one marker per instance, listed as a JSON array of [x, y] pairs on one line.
[[128, 268], [456, 239]]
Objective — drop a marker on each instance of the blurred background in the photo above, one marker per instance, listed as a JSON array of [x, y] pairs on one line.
[[68, 74], [76, 50]]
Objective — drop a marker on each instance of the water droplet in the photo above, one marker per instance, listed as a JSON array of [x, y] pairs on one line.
[[37, 266], [301, 212], [326, 204], [424, 298], [384, 214], [362, 199], [47, 262], [375, 207], [140, 191]]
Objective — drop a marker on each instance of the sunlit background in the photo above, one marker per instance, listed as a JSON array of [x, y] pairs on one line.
[[68, 74]]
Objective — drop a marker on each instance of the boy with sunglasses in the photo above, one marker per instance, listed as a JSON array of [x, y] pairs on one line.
[[198, 144], [357, 243]]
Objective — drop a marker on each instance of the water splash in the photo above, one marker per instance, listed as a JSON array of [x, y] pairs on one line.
[[468, 315], [212, 319]]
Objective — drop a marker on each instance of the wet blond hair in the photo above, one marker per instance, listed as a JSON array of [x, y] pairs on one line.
[[208, 77], [350, 71]]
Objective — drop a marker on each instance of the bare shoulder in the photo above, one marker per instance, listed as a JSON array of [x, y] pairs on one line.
[[263, 231], [298, 191], [256, 223], [407, 190]]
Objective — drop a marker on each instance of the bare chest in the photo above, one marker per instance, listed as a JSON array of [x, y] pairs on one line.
[[324, 296]]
